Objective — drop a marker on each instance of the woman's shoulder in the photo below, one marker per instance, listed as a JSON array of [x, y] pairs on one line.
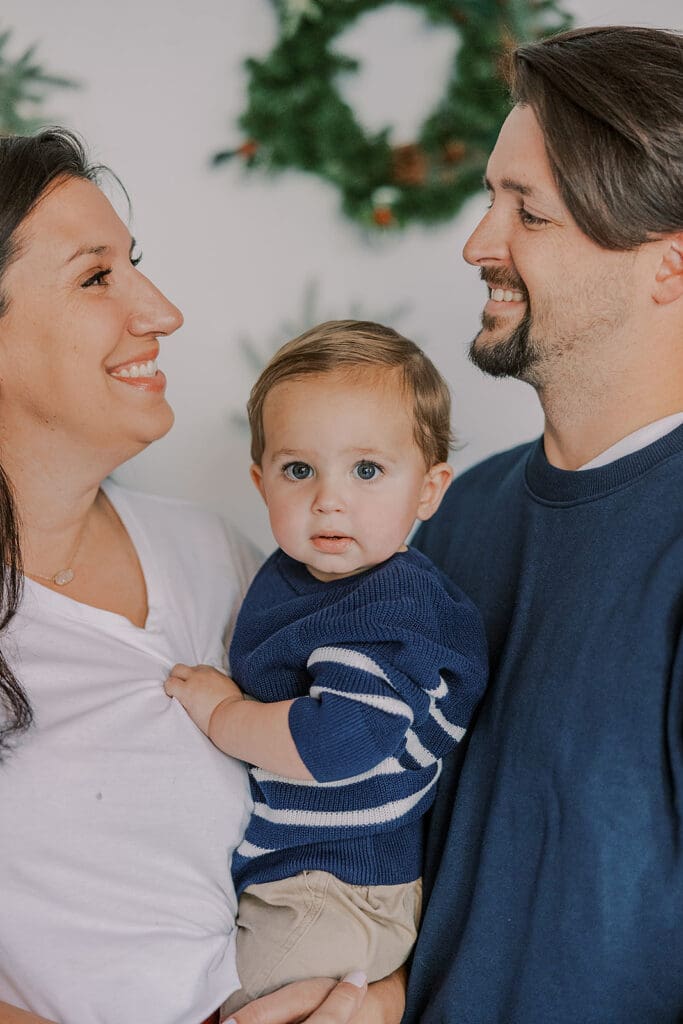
[[160, 507], [176, 524]]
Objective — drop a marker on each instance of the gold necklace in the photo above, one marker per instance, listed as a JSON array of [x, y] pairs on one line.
[[66, 575]]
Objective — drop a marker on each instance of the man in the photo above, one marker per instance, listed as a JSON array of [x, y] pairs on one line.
[[555, 854], [554, 874]]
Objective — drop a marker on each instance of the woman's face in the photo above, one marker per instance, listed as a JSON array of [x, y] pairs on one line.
[[79, 342]]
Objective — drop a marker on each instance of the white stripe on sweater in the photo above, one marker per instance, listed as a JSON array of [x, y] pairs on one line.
[[388, 704], [456, 731], [440, 691], [299, 818], [247, 849], [390, 766], [418, 751], [352, 659]]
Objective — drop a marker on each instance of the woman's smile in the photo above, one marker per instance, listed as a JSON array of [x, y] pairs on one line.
[[141, 373]]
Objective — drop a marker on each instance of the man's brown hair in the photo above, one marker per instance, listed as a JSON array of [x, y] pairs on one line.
[[355, 345], [609, 101]]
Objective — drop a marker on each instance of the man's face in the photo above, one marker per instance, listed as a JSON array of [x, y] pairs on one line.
[[555, 297]]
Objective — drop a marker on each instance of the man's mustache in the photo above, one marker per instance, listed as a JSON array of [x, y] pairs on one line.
[[499, 277]]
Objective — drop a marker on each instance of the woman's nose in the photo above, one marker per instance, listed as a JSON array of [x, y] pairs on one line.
[[155, 314]]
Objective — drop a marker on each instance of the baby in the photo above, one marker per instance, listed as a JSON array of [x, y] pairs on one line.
[[364, 663]]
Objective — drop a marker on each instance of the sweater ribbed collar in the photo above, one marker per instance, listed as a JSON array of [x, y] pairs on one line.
[[302, 582], [548, 484]]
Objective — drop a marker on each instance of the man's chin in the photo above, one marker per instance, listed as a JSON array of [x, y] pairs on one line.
[[511, 355]]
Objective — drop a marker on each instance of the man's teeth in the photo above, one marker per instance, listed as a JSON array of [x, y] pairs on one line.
[[147, 369], [500, 295]]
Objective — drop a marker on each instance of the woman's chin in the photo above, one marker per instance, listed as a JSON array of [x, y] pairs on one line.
[[160, 425], [145, 432]]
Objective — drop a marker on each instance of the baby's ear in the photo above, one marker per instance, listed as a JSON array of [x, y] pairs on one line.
[[436, 483], [669, 278], [256, 474]]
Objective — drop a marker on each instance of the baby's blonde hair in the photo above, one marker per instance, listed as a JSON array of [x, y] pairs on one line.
[[352, 345]]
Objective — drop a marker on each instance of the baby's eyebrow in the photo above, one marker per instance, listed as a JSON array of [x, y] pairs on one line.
[[284, 452]]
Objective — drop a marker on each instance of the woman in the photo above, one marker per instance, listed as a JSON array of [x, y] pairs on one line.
[[117, 906]]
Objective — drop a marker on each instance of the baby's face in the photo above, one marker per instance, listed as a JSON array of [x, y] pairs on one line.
[[341, 473]]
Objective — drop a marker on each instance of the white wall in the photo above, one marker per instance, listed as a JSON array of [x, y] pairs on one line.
[[163, 86]]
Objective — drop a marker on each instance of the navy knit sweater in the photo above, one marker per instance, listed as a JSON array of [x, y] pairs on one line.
[[555, 874], [387, 666]]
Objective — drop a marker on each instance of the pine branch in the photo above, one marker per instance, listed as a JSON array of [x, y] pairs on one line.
[[24, 85]]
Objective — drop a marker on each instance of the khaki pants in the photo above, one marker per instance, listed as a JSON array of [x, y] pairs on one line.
[[313, 925]]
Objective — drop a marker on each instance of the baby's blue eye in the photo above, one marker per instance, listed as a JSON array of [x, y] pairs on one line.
[[366, 470], [297, 471]]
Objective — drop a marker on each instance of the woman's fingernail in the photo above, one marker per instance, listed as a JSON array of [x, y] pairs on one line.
[[357, 978]]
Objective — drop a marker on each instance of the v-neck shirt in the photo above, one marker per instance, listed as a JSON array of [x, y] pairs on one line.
[[119, 817]]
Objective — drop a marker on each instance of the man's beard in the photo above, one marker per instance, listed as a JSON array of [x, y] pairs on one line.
[[516, 354], [513, 356]]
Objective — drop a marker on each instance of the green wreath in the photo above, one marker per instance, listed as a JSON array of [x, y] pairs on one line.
[[297, 119]]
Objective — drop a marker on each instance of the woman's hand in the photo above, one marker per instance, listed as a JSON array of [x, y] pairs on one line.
[[200, 690], [323, 1001]]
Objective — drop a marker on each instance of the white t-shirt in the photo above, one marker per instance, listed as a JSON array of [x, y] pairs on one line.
[[118, 818]]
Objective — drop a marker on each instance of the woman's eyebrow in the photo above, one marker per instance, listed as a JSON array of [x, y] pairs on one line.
[[88, 250], [95, 250]]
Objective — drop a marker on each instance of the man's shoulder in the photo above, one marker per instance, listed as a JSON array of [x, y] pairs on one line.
[[501, 463], [495, 483]]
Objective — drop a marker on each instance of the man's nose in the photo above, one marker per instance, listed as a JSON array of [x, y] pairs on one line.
[[488, 242]]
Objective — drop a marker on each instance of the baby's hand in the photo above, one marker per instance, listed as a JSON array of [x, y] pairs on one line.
[[200, 690]]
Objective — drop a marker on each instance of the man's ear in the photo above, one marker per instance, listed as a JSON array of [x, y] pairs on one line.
[[436, 483], [669, 277], [256, 474]]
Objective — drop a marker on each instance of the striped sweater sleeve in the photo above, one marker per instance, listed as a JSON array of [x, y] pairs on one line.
[[408, 698]]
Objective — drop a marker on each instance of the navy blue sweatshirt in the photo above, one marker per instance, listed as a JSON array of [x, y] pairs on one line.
[[555, 860]]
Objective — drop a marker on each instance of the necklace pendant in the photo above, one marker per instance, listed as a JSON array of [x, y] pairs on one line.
[[63, 577]]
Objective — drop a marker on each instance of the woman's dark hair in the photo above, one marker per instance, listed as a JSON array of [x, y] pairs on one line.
[[609, 101], [30, 166]]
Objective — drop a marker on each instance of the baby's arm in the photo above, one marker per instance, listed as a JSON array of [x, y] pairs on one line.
[[13, 1015], [354, 730], [254, 732]]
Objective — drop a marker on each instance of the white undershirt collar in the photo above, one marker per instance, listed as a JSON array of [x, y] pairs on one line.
[[634, 442]]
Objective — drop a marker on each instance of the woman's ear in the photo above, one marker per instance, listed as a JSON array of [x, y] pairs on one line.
[[436, 483], [256, 474], [669, 277]]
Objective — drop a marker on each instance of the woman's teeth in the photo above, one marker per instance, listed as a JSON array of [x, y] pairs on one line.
[[499, 295], [147, 369]]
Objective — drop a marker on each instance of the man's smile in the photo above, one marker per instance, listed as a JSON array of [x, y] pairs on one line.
[[500, 295]]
